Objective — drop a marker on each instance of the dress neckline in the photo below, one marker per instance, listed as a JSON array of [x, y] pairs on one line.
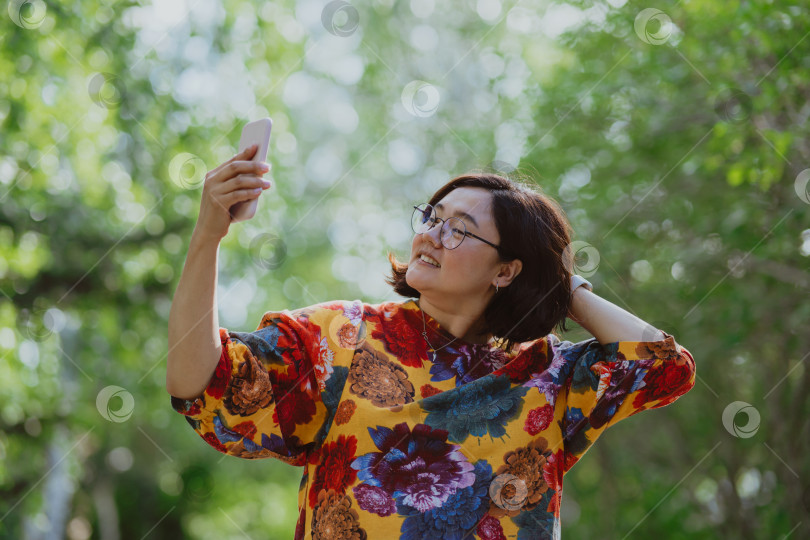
[[433, 325]]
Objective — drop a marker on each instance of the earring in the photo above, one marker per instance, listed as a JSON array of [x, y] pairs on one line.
[[496, 288]]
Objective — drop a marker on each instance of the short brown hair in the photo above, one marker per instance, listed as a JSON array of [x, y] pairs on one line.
[[532, 228]]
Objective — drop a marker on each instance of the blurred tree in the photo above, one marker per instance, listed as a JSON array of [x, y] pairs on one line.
[[674, 138]]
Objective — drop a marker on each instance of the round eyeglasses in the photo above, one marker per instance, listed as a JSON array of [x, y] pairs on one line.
[[452, 232]]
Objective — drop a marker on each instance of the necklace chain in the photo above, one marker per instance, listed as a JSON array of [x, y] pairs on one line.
[[424, 335]]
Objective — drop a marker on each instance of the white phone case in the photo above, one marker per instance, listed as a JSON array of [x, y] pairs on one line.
[[256, 132]]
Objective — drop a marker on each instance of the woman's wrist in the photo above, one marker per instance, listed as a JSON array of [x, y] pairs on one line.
[[579, 281]]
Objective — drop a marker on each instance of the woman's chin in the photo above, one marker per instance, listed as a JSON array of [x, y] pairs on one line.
[[415, 281]]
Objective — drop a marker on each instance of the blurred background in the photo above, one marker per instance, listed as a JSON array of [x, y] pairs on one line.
[[674, 135]]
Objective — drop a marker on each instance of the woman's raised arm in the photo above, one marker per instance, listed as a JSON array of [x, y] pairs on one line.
[[194, 343]]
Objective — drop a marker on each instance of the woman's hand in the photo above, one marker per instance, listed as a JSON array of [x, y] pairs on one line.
[[233, 181]]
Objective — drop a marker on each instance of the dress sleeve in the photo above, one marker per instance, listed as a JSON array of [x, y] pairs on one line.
[[274, 390], [607, 383]]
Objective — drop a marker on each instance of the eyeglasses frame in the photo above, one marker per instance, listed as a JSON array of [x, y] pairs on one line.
[[466, 232]]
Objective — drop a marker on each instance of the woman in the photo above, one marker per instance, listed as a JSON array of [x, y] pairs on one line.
[[452, 414]]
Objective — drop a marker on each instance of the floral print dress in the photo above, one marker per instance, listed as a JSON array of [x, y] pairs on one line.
[[397, 444]]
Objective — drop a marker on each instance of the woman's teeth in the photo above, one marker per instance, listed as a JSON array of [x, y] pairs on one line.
[[429, 261]]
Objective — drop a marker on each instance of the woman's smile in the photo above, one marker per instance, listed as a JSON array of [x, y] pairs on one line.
[[428, 261]]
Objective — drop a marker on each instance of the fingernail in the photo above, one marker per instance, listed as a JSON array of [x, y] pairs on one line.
[[265, 183], [264, 167]]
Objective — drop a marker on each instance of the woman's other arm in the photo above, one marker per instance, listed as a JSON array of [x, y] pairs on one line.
[[607, 322]]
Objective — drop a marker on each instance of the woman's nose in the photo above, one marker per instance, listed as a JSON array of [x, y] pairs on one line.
[[434, 234]]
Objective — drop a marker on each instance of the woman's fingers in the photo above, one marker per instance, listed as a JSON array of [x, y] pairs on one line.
[[243, 181], [236, 168], [245, 154], [240, 195]]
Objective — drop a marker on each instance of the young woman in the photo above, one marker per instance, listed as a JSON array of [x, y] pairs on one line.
[[452, 414]]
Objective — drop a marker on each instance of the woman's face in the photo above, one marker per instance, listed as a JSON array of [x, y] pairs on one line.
[[469, 270]]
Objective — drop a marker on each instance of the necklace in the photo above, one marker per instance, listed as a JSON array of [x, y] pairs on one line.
[[424, 335]]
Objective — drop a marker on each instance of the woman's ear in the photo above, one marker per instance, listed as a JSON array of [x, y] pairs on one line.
[[509, 271]]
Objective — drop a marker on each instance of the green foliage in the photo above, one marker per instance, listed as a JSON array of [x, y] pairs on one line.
[[679, 162]]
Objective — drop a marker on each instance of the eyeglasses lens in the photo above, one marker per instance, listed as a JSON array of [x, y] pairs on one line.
[[453, 230]]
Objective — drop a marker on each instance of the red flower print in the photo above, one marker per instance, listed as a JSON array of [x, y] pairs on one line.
[[539, 419], [245, 429], [570, 460], [293, 406], [428, 390], [666, 382], [398, 335], [211, 439], [311, 358], [222, 374], [300, 524], [333, 470], [554, 504], [553, 470], [490, 528], [527, 362], [180, 404]]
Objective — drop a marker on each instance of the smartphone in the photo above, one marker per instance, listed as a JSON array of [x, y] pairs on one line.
[[256, 132]]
